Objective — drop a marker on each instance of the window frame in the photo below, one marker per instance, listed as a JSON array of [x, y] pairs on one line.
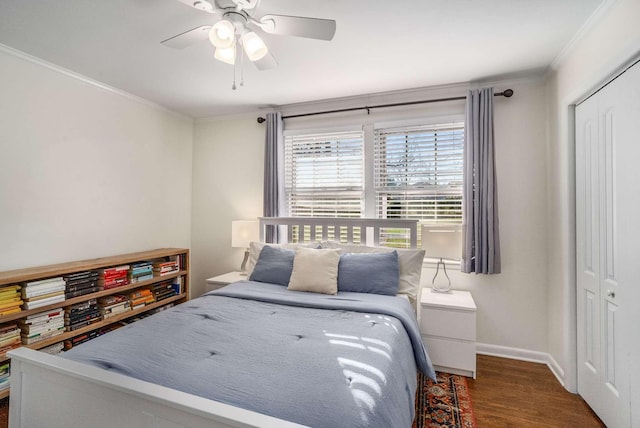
[[368, 127]]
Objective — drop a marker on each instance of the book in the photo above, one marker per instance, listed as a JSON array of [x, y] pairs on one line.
[[16, 301], [32, 331], [10, 340], [11, 292], [7, 288], [83, 305], [81, 277], [113, 283], [82, 285], [42, 316], [112, 300], [54, 349], [8, 328], [10, 311], [81, 324], [44, 281], [39, 291], [84, 317], [140, 293], [117, 311], [115, 306], [44, 296], [140, 278], [70, 313], [43, 336], [81, 292], [114, 271], [44, 302], [144, 300]]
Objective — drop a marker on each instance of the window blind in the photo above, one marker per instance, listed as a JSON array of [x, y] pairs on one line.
[[324, 174], [418, 172]]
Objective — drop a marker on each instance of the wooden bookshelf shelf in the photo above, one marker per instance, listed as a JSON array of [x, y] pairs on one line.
[[21, 276]]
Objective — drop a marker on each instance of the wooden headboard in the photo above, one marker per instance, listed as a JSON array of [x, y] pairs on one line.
[[365, 231]]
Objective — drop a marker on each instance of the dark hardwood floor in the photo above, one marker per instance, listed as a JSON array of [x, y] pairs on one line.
[[512, 393]]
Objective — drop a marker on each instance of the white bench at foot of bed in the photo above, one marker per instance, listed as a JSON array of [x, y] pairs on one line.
[[49, 391]]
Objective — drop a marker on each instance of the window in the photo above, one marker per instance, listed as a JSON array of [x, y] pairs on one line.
[[324, 174], [415, 172], [418, 172]]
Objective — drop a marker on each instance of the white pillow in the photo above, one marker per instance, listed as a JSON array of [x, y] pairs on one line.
[[315, 271], [409, 263], [256, 247]]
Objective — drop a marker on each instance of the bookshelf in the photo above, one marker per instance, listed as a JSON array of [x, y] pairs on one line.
[[21, 276]]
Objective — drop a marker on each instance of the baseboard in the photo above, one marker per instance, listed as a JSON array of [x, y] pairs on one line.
[[523, 355]]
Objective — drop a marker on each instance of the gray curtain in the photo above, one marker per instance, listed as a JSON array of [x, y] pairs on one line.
[[272, 183], [481, 240]]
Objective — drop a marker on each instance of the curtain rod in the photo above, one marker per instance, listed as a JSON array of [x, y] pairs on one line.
[[508, 93]]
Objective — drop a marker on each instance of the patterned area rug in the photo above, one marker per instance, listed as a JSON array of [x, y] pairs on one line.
[[444, 404]]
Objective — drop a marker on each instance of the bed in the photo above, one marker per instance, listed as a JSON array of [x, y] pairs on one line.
[[254, 353]]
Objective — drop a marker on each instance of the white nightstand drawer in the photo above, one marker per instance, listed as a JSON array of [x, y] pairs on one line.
[[451, 354], [448, 323]]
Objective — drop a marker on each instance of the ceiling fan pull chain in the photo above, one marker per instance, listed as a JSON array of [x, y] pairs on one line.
[[241, 68], [234, 76]]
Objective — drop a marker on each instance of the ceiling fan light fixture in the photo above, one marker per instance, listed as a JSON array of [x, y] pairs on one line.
[[222, 34], [254, 46], [227, 55]]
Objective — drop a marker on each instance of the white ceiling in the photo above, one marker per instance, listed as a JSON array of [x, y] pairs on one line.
[[379, 46]]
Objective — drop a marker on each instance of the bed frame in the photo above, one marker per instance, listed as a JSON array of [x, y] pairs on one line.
[[370, 231], [51, 391]]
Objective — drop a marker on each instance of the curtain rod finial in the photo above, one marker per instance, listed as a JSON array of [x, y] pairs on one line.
[[261, 120], [508, 93]]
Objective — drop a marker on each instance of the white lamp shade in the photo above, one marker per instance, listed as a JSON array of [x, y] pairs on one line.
[[254, 46], [222, 34], [227, 55], [243, 232], [442, 241]]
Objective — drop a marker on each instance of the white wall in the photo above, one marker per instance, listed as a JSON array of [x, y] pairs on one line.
[[228, 156], [609, 42], [511, 306], [86, 172]]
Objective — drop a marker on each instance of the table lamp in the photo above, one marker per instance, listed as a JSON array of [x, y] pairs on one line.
[[243, 232], [442, 242]]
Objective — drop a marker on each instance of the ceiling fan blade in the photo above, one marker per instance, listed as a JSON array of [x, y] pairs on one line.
[[267, 62], [188, 38], [313, 28]]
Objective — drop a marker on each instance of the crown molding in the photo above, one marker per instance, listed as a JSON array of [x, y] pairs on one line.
[[588, 25]]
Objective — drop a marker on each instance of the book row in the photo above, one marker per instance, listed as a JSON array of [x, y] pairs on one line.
[[50, 323], [35, 294]]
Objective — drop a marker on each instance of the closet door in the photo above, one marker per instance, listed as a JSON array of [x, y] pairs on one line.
[[588, 251], [607, 209]]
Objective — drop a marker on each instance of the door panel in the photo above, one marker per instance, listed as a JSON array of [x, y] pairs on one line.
[[588, 212], [607, 245]]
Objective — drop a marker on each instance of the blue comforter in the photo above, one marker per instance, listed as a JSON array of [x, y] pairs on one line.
[[279, 352]]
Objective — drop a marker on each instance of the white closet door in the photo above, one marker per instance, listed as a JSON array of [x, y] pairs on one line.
[[607, 211], [588, 251]]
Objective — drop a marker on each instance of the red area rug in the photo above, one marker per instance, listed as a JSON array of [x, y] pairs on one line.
[[446, 403]]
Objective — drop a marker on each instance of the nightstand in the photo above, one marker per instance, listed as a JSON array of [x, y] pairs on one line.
[[220, 281], [448, 327]]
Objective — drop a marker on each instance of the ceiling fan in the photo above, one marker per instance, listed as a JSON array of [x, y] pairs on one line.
[[234, 24]]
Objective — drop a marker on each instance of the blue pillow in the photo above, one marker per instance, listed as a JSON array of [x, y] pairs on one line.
[[377, 273], [274, 265]]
